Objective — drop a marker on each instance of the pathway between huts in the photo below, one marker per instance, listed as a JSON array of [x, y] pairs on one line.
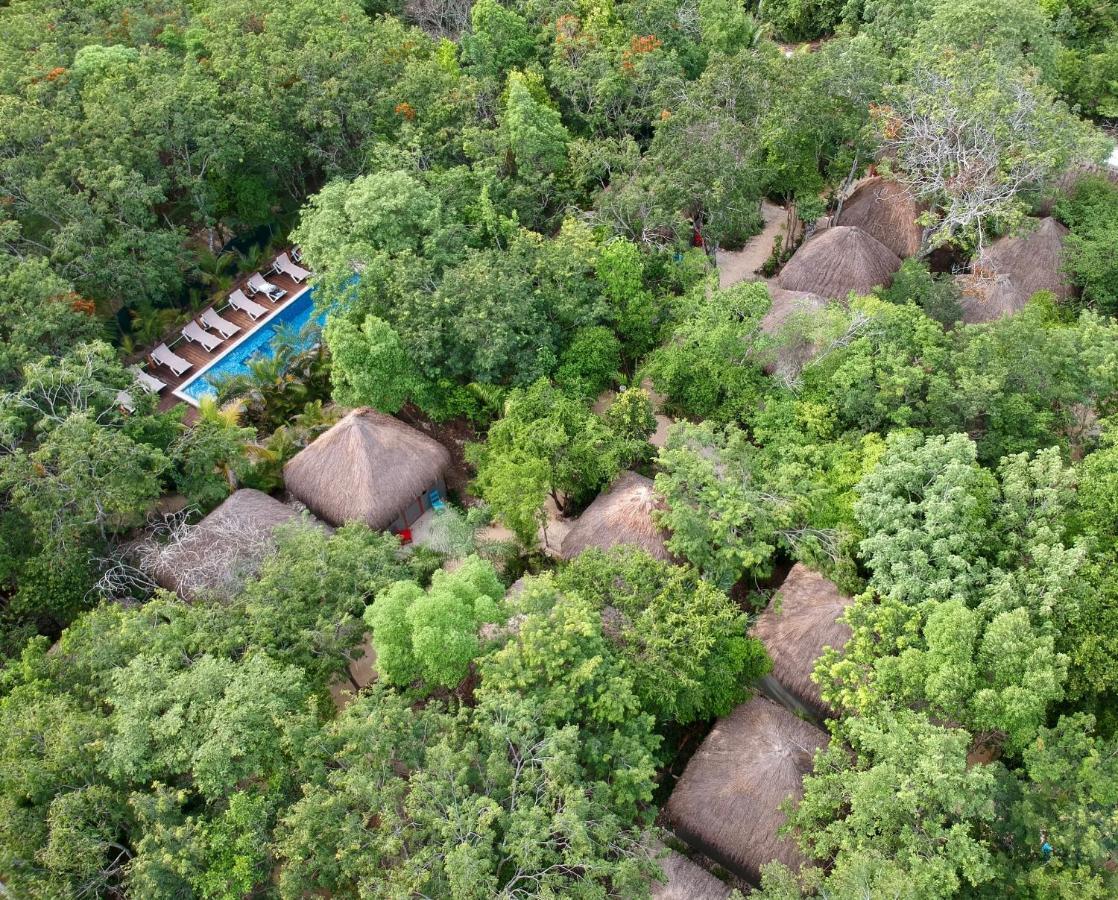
[[742, 265]]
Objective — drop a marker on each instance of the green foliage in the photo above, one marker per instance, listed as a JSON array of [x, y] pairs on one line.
[[433, 635], [1090, 213], [903, 809], [722, 513], [937, 296], [370, 367], [683, 640], [711, 364], [589, 363], [547, 443]]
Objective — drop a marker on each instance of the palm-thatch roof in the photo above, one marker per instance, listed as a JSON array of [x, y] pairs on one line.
[[686, 880], [367, 468], [986, 298], [216, 555], [1033, 259], [794, 349], [840, 260], [801, 620], [885, 210], [727, 804], [620, 515]]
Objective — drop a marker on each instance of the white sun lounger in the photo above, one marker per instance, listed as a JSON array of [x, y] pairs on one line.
[[211, 319], [250, 308], [124, 401], [165, 357], [149, 383], [258, 285], [195, 332], [284, 264], [297, 252]]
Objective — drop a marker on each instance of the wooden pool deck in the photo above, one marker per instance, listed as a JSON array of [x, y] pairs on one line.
[[200, 358]]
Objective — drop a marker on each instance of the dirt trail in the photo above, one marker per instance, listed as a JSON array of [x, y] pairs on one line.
[[742, 265]]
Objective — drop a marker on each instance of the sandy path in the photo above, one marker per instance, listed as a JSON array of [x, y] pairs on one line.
[[742, 265]]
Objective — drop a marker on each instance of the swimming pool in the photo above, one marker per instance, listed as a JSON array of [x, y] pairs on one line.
[[294, 317]]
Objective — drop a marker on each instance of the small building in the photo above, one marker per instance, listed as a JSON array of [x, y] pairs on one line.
[[620, 515], [215, 556], [803, 618], [727, 804], [1032, 260], [838, 261], [371, 468], [885, 210], [987, 298], [795, 347], [686, 880]]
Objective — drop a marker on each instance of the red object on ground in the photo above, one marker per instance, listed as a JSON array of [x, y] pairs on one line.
[[696, 236], [404, 535]]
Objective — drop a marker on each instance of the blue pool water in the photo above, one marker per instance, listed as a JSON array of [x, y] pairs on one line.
[[293, 316]]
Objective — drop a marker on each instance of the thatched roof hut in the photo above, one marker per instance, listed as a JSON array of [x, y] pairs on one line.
[[884, 210], [369, 468], [1033, 260], [801, 620], [727, 804], [794, 350], [986, 298], [685, 880], [620, 515], [840, 260], [216, 555]]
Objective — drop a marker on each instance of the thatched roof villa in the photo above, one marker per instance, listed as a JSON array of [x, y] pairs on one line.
[[989, 298], [620, 515], [837, 261], [885, 210], [371, 468], [686, 880], [727, 804], [216, 555], [795, 350], [1032, 260], [801, 620]]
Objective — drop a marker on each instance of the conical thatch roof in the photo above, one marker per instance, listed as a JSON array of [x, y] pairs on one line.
[[1033, 259], [986, 298], [840, 260], [886, 211], [794, 350], [621, 515], [727, 804], [800, 621], [686, 880], [217, 554], [367, 468]]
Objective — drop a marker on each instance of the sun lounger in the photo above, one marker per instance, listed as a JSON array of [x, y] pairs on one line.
[[283, 264], [165, 357], [257, 285], [124, 401], [149, 383], [250, 308], [224, 327], [297, 254], [195, 332]]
